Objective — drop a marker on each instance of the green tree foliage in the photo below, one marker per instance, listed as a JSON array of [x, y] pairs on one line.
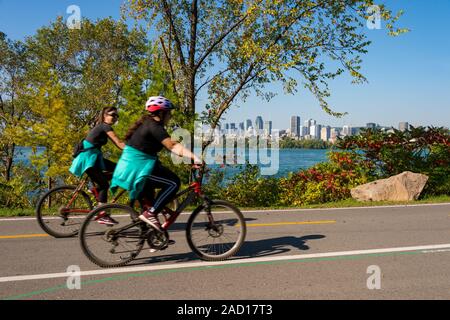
[[54, 84], [13, 105], [289, 143]]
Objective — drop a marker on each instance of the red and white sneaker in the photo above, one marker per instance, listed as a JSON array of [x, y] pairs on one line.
[[151, 219], [105, 219]]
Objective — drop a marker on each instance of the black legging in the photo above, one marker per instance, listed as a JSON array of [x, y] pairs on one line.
[[101, 180], [164, 179]]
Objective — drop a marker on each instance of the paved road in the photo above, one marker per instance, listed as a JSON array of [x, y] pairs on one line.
[[289, 254]]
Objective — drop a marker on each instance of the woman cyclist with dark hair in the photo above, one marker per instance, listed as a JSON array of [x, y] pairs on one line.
[[90, 160], [139, 171]]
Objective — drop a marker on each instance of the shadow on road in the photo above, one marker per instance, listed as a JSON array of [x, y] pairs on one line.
[[250, 249]]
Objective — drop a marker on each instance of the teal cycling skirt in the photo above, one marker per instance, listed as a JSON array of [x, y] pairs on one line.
[[133, 168], [87, 159]]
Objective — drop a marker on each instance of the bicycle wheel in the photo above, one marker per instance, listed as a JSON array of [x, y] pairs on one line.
[[218, 234], [57, 217], [112, 246]]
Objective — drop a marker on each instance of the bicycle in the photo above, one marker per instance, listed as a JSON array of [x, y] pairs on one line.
[[59, 211], [117, 246]]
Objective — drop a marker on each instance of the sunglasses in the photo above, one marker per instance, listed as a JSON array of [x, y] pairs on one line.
[[115, 115]]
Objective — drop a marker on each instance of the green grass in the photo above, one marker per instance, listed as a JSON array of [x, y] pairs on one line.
[[348, 203], [4, 212]]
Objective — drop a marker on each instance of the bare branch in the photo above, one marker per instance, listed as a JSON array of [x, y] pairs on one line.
[[168, 12], [211, 79], [218, 41], [169, 61]]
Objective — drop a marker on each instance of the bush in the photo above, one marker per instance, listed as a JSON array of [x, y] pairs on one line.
[[249, 189], [327, 181], [420, 150], [22, 190]]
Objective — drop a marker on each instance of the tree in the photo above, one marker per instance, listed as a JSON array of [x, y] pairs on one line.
[[48, 127], [13, 106], [91, 63], [232, 48]]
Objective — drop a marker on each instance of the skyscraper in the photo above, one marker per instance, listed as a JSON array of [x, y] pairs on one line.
[[315, 131], [268, 127], [325, 133], [259, 124], [346, 131], [295, 126], [307, 125], [248, 124]]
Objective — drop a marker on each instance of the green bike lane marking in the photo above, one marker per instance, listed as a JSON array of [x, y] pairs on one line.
[[212, 267]]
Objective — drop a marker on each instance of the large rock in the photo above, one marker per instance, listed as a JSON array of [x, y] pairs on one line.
[[406, 186]]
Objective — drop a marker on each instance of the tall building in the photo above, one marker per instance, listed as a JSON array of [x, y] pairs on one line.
[[346, 131], [307, 126], [242, 126], [403, 126], [248, 124], [371, 125], [295, 126], [232, 126], [325, 133], [268, 127], [259, 124], [314, 131], [304, 131]]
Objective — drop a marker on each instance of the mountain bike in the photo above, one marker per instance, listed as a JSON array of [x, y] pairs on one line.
[[215, 230]]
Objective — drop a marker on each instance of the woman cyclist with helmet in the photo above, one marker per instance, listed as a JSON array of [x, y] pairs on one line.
[[139, 171], [90, 160]]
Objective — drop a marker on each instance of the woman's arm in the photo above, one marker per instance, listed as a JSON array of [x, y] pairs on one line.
[[116, 140], [178, 149]]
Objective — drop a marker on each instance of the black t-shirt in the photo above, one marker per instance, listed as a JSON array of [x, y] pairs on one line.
[[148, 137], [98, 136]]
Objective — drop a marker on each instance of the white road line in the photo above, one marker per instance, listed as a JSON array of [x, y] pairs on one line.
[[280, 210], [425, 249]]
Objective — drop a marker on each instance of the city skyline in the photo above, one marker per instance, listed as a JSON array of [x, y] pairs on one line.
[[402, 125]]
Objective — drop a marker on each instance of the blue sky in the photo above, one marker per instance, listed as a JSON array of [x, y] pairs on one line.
[[409, 76]]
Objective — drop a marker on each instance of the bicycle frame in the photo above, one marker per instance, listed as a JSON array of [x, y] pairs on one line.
[[194, 192], [82, 184]]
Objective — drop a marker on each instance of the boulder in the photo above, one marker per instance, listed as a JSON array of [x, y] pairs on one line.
[[406, 186]]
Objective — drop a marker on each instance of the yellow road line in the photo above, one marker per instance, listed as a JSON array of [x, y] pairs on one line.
[[24, 236], [290, 223]]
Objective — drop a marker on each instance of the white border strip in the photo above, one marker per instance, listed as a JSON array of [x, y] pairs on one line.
[[229, 262], [279, 210]]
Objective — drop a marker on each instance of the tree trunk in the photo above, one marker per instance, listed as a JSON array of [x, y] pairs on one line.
[[9, 162]]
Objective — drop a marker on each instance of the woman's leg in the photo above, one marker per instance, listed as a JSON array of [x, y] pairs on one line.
[[101, 179], [169, 183]]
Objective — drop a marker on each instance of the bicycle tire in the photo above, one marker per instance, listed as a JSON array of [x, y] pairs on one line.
[[236, 246], [91, 219], [42, 218]]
